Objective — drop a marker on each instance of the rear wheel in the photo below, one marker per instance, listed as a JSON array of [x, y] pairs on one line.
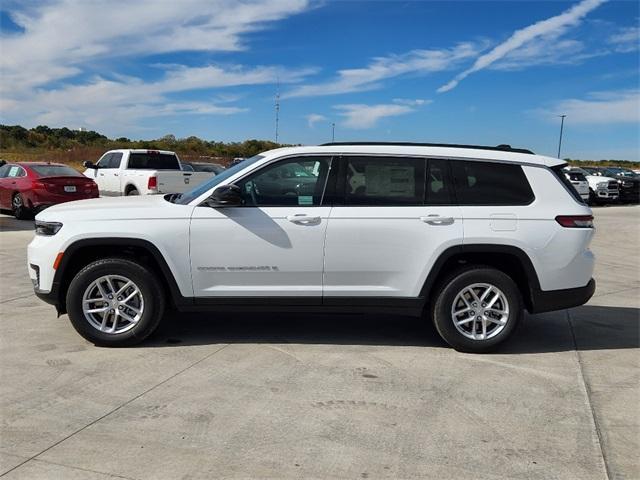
[[476, 309], [18, 207], [115, 302], [132, 191]]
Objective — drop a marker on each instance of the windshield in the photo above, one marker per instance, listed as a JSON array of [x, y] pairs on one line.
[[191, 195]]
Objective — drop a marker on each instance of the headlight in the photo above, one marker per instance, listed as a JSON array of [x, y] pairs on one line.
[[602, 184], [47, 228]]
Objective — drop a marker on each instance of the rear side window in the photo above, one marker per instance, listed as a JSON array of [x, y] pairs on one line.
[[438, 186], [384, 181], [153, 161], [488, 183], [559, 173]]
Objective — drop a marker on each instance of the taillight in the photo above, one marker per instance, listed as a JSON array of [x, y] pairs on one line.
[[153, 183], [575, 221]]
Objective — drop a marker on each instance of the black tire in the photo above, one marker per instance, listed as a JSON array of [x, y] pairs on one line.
[[593, 199], [446, 294], [18, 208], [150, 288], [132, 191]]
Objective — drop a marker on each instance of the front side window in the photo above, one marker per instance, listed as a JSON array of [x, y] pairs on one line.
[[488, 183], [384, 181], [299, 181], [4, 170], [104, 162]]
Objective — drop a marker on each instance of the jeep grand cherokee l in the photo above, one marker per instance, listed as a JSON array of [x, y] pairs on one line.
[[466, 236]]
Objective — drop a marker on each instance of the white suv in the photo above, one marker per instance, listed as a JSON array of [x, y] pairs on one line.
[[467, 236]]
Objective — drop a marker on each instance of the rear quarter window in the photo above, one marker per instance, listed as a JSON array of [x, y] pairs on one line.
[[489, 183], [559, 174]]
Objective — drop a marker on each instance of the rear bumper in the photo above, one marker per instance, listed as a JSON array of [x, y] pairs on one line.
[[550, 300]]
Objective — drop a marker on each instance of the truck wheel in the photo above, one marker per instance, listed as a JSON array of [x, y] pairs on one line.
[[115, 302], [132, 191], [18, 207], [476, 309]]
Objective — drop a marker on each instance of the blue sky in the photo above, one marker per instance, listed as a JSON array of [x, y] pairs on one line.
[[460, 72]]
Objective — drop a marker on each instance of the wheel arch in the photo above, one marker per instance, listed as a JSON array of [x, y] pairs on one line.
[[129, 187], [507, 258], [82, 252]]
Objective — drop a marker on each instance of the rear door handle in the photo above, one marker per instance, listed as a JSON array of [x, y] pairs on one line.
[[437, 220], [303, 219]]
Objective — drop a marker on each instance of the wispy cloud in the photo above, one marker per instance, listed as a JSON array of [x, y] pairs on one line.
[[382, 68], [626, 39], [314, 118], [599, 108], [46, 67], [359, 116], [550, 28]]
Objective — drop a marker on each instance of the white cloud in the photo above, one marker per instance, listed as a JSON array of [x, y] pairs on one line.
[[549, 29], [382, 68], [44, 67], [360, 116], [600, 108], [626, 39], [411, 102], [314, 118]]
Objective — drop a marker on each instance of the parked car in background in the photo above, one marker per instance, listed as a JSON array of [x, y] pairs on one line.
[[202, 167], [602, 189], [28, 187], [142, 172], [579, 182], [628, 183]]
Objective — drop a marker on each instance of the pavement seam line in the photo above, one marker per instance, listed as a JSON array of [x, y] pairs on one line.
[[17, 298], [587, 392], [131, 400], [114, 475]]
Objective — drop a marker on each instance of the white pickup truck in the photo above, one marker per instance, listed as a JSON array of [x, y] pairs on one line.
[[142, 172]]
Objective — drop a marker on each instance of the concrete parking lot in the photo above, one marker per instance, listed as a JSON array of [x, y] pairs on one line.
[[312, 396]]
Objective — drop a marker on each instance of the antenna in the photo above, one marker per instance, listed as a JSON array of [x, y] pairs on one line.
[[277, 107]]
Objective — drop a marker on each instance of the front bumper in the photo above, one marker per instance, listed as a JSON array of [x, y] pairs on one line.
[[550, 300]]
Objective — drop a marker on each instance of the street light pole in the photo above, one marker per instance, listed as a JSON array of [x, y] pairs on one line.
[[561, 128], [333, 132]]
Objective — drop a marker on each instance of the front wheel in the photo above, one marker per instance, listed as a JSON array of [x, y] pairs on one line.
[[476, 309], [115, 302]]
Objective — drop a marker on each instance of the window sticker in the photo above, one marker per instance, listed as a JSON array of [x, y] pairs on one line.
[[13, 172], [390, 180], [305, 200]]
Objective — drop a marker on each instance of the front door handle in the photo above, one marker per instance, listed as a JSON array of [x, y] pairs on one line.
[[437, 220], [303, 219]]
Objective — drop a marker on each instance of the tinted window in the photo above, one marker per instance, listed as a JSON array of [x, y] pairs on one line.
[[153, 161], [55, 171], [4, 170], [293, 182], [384, 181], [115, 160], [104, 162], [438, 183], [487, 183]]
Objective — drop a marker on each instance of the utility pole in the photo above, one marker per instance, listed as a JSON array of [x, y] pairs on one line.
[[277, 108], [561, 128], [333, 132]]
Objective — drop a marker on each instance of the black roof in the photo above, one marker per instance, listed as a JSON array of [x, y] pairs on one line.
[[500, 148]]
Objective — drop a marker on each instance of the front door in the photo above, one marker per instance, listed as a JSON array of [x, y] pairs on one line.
[[397, 216], [107, 175], [272, 246]]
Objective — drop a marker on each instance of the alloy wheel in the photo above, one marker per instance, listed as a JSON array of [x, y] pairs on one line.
[[112, 304], [480, 311]]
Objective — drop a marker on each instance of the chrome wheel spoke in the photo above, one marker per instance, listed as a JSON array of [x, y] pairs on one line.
[[480, 311], [106, 307]]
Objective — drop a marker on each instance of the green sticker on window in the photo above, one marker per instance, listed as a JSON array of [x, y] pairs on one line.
[[305, 200]]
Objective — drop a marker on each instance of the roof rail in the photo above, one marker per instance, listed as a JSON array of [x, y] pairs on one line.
[[500, 148]]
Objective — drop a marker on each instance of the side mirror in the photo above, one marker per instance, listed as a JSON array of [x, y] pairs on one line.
[[225, 196], [89, 164]]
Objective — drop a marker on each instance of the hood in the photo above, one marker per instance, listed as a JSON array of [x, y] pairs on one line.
[[115, 208]]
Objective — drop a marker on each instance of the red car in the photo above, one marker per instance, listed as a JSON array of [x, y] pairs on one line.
[[28, 187]]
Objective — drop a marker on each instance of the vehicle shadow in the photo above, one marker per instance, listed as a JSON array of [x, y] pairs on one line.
[[584, 328], [11, 224]]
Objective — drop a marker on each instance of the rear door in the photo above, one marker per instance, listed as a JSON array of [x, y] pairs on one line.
[[392, 218]]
